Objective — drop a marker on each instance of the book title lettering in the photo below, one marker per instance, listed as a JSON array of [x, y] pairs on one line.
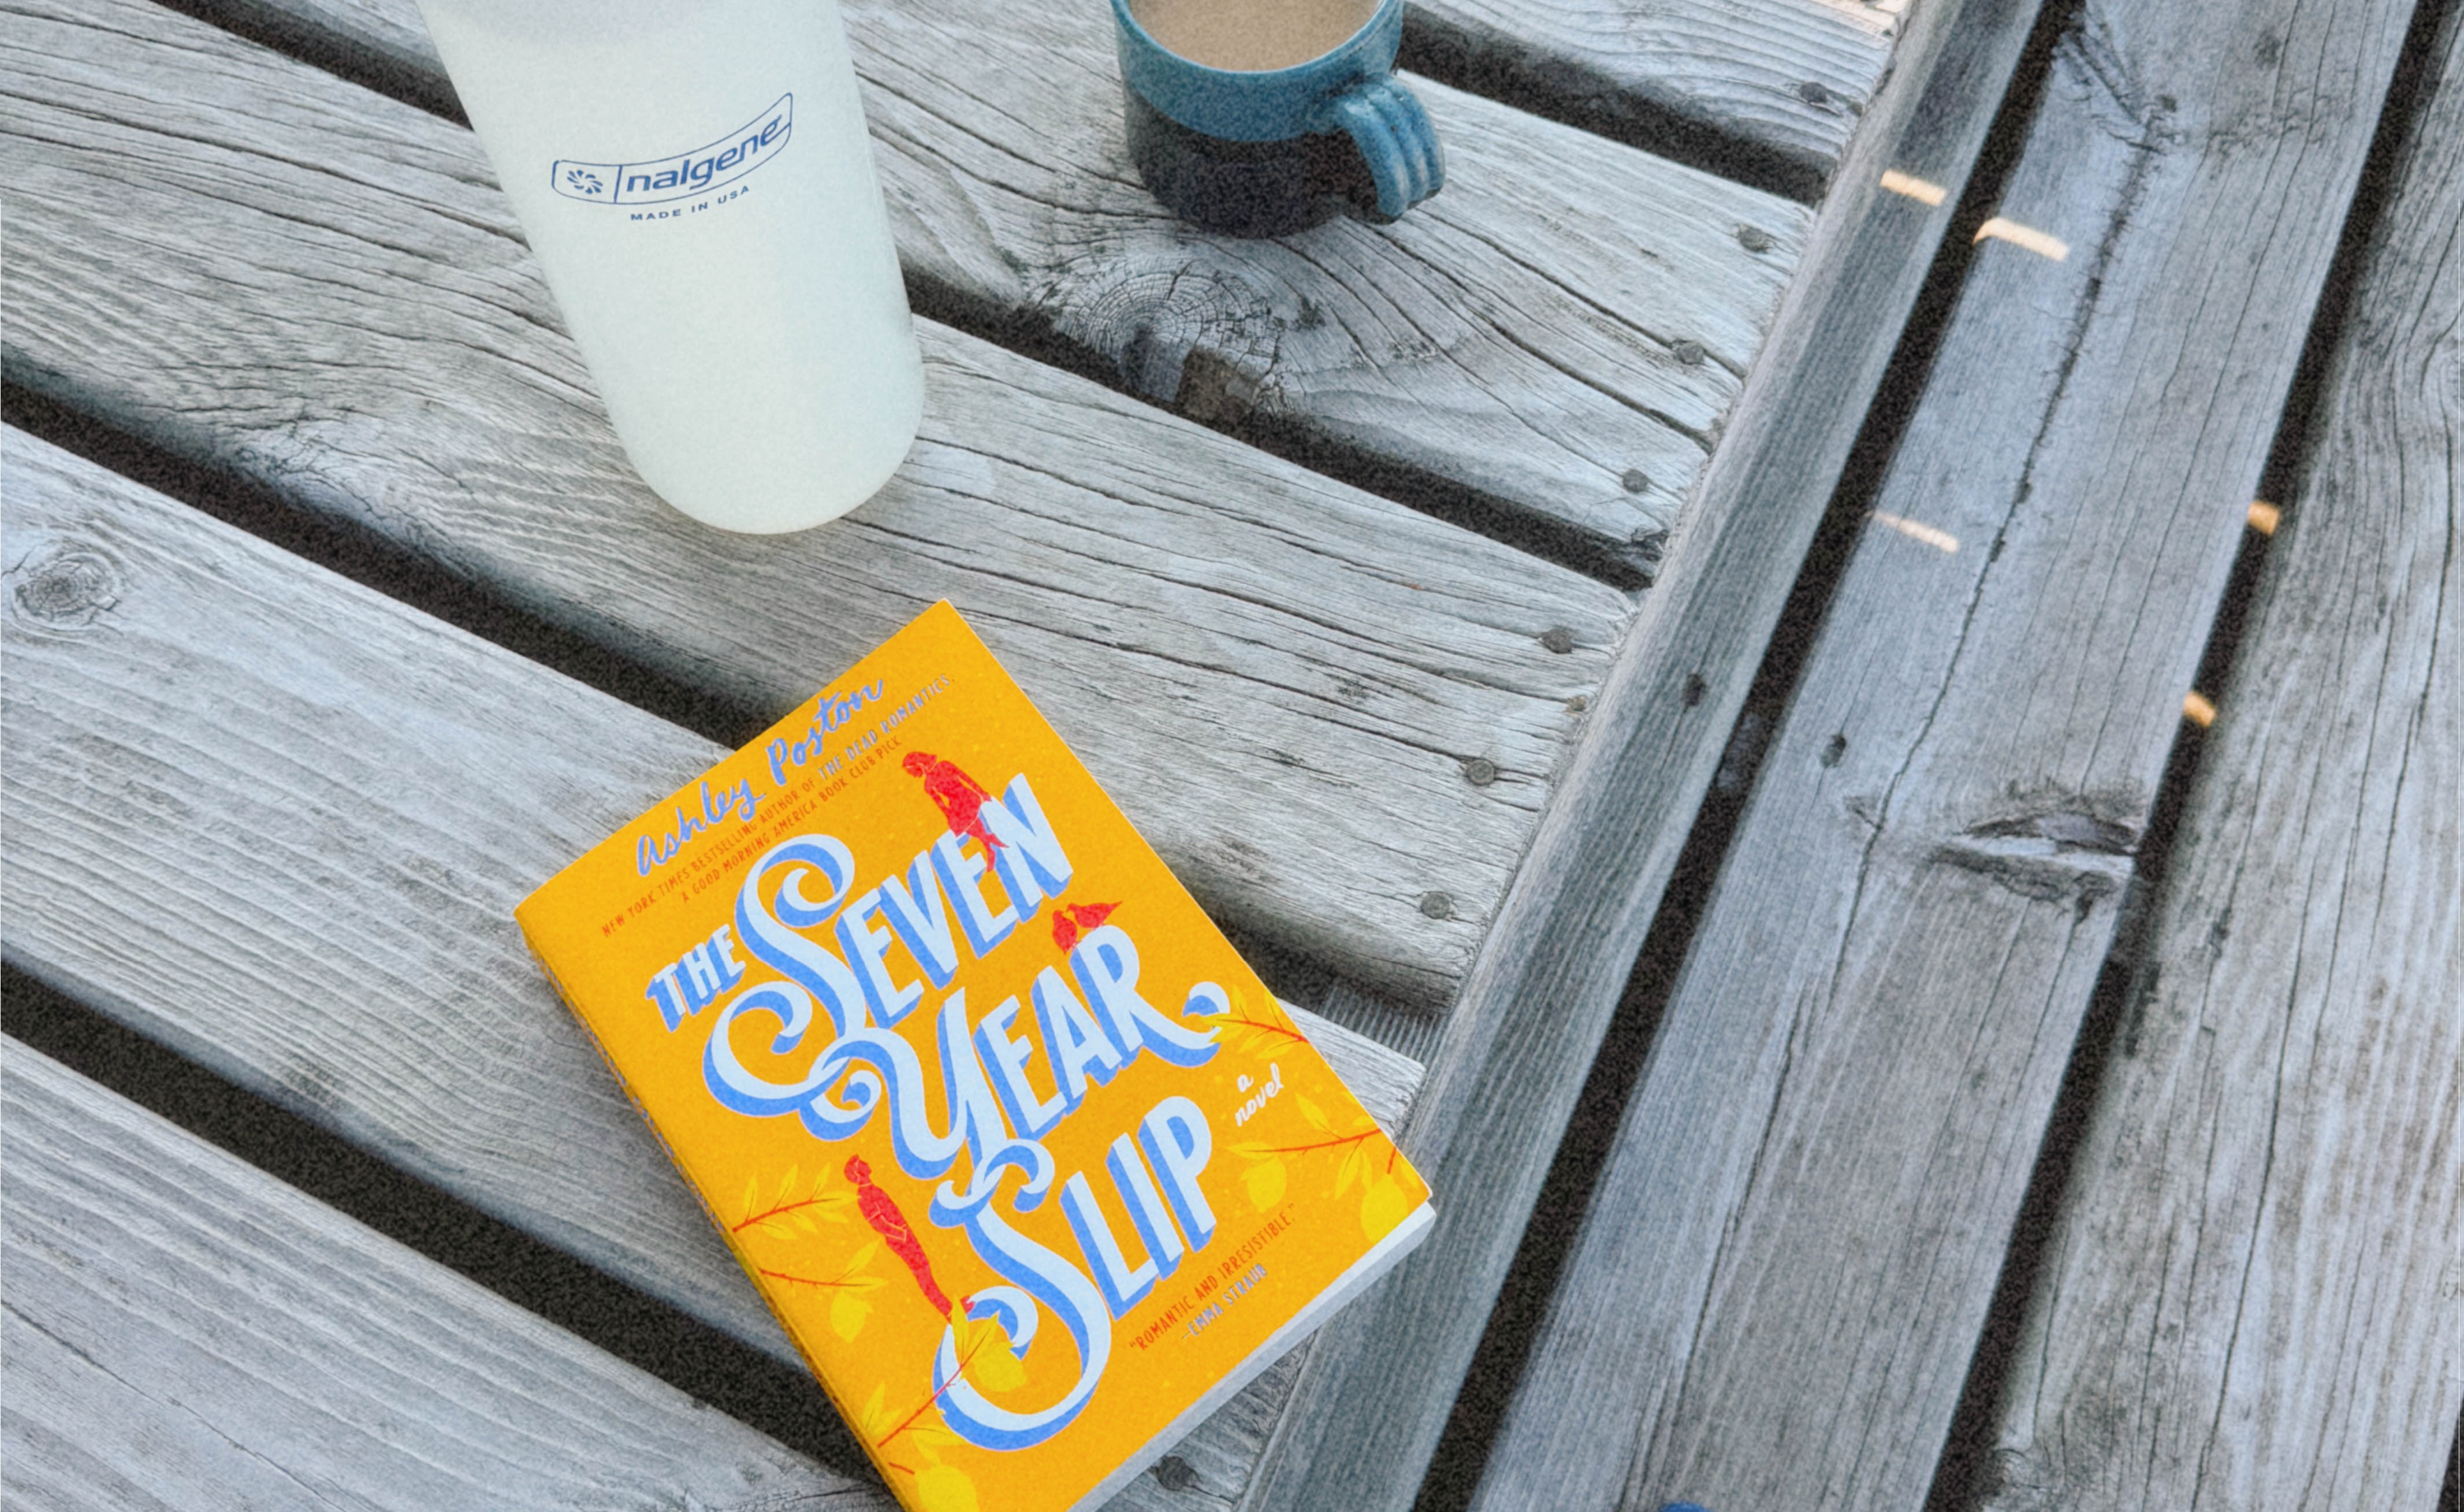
[[976, 883]]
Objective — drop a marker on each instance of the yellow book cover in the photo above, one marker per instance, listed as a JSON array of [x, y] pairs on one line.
[[1031, 1166]]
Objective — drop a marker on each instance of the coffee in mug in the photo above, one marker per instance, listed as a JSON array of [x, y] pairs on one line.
[[1252, 35]]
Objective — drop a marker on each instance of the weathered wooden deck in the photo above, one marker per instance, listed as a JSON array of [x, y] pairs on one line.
[[1406, 585]]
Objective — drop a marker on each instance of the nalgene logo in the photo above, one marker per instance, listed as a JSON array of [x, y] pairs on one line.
[[723, 161]]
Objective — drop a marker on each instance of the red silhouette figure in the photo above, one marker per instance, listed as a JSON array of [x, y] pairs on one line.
[[1071, 921], [890, 1224], [960, 797]]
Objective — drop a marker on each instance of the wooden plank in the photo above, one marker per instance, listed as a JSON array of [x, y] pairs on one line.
[[280, 823], [1788, 1260], [1380, 1382], [1337, 718], [183, 1330], [2254, 1294], [1777, 85], [1734, 72], [1569, 311]]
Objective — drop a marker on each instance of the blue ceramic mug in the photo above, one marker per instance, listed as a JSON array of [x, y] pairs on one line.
[[1265, 152]]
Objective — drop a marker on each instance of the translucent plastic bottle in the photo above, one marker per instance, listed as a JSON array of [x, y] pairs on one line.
[[696, 180]]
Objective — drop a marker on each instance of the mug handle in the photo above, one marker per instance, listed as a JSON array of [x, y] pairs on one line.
[[1385, 121]]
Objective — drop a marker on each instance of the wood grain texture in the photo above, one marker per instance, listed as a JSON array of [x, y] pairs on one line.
[[2254, 1294], [1380, 1380], [280, 823], [1787, 80], [1568, 312], [1291, 687], [185, 1331], [1788, 1260], [1737, 69]]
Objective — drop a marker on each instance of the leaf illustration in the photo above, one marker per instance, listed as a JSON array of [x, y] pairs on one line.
[[932, 1435], [786, 1212], [847, 1313], [1264, 1180], [1315, 1115], [945, 1488], [984, 1356], [1386, 1204], [875, 1422], [1261, 1028], [1355, 1168]]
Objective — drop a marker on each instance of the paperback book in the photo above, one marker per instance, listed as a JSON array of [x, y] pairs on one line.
[[1032, 1168]]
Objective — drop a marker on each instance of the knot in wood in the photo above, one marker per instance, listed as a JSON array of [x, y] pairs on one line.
[[1151, 315], [1753, 239], [1174, 1473], [1688, 352], [1480, 772], [65, 588], [1558, 638], [1636, 480]]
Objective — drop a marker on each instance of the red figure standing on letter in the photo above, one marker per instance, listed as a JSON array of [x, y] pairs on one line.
[[960, 797], [890, 1224]]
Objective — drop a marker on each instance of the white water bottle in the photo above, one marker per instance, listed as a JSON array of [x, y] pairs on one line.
[[696, 180]]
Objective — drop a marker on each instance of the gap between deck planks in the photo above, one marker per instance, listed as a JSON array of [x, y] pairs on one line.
[[1336, 718], [278, 823], [1780, 1309], [185, 1331], [2253, 1294], [1562, 331], [1732, 73], [1775, 86], [1379, 1381]]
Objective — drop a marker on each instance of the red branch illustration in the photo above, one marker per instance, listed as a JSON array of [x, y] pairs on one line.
[[1324, 1144], [777, 1209]]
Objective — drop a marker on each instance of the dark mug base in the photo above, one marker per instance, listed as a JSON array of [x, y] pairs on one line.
[[1247, 188]]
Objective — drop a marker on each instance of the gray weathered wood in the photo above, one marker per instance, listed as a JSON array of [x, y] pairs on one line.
[[2254, 1294], [1788, 79], [185, 1331], [1380, 1380], [1736, 67], [280, 823], [1569, 311], [1780, 1283], [1290, 686]]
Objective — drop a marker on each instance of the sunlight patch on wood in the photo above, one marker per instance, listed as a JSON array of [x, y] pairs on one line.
[[2041, 243], [1939, 539], [1922, 190]]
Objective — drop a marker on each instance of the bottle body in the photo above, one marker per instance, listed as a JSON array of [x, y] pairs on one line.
[[698, 186]]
